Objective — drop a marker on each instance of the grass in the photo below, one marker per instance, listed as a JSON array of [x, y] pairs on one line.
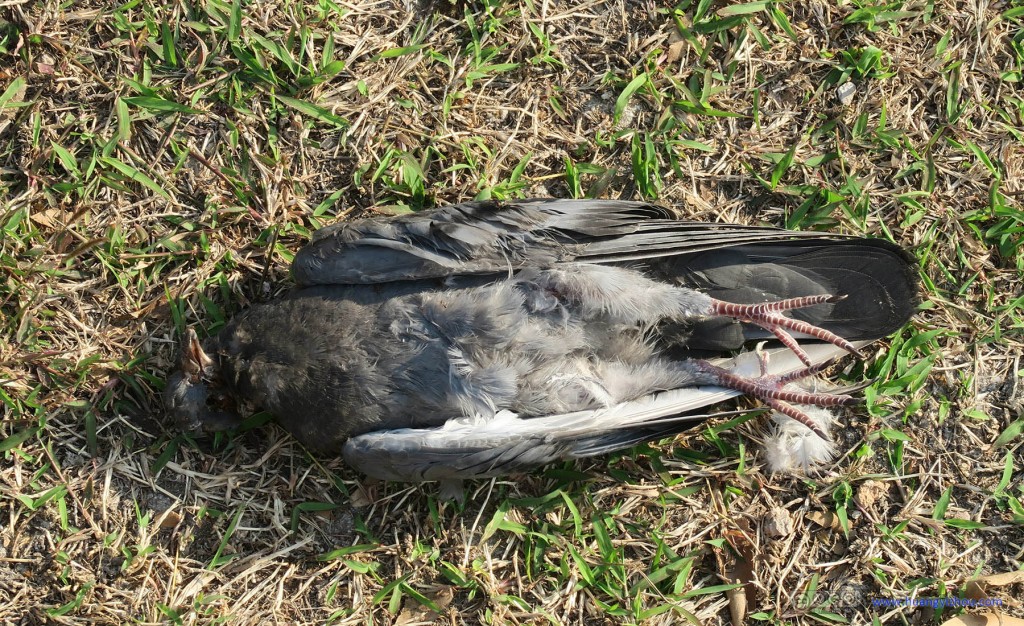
[[160, 162]]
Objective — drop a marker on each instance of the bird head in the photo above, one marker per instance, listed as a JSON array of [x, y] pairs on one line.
[[192, 393]]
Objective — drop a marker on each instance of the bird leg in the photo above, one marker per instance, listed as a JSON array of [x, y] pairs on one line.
[[625, 296], [770, 389], [768, 315]]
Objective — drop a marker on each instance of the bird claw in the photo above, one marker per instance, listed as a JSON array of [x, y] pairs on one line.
[[769, 315], [771, 389]]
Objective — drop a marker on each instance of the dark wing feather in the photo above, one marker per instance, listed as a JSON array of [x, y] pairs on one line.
[[731, 262], [878, 279], [491, 237]]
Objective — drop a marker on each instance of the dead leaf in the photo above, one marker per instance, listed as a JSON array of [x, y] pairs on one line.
[[17, 96], [414, 614], [778, 523], [47, 218], [976, 587], [418, 616], [985, 619], [643, 491], [675, 51], [740, 571], [362, 496], [443, 597], [737, 605], [169, 519], [1003, 579], [825, 519]]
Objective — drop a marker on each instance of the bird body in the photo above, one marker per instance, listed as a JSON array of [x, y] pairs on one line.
[[362, 362], [486, 338]]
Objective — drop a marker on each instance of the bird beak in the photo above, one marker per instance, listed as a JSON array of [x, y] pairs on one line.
[[195, 363]]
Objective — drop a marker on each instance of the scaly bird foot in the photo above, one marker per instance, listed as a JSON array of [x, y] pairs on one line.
[[769, 316], [770, 389]]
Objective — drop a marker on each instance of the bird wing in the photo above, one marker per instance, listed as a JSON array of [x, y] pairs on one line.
[[469, 448], [499, 236]]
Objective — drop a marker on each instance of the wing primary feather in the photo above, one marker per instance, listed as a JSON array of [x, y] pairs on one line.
[[479, 448]]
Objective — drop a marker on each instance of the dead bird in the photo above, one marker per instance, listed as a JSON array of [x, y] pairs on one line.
[[487, 338]]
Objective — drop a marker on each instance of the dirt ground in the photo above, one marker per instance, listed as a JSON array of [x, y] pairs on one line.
[[160, 163]]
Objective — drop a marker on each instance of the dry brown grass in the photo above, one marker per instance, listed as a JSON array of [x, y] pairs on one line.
[[152, 177]]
